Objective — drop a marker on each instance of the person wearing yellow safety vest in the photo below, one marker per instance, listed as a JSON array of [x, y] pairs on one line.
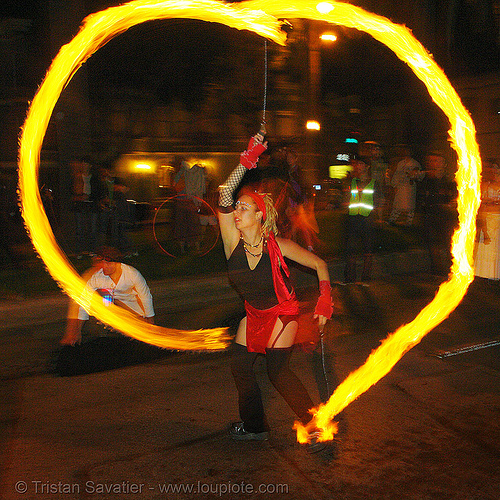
[[364, 196]]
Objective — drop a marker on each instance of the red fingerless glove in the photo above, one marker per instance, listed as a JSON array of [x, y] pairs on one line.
[[324, 306], [249, 157]]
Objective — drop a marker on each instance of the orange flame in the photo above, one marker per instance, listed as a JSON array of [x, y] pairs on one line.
[[462, 136], [96, 31], [256, 15]]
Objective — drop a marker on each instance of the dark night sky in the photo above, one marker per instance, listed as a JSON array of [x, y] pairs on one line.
[[172, 58], [175, 58]]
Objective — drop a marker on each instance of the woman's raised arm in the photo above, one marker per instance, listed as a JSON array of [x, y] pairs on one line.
[[248, 160]]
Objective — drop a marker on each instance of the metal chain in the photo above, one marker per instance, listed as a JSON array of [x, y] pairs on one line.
[[265, 82], [323, 365]]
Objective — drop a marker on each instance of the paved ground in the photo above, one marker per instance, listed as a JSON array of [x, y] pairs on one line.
[[157, 428]]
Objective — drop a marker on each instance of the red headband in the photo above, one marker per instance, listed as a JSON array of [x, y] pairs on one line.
[[259, 201]]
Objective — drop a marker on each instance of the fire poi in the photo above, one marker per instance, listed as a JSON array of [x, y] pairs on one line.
[[260, 17]]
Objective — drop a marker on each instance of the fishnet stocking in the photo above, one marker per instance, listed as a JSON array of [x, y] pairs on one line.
[[226, 190]]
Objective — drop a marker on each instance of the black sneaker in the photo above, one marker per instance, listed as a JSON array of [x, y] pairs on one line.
[[237, 431]]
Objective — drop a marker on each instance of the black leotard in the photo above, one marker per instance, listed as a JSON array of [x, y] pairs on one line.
[[256, 286]]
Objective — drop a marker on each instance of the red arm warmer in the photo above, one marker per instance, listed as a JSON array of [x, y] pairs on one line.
[[249, 157], [324, 305]]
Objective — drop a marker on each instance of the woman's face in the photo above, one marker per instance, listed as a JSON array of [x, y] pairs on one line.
[[246, 213]]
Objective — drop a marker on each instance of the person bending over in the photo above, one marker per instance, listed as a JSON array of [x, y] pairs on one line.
[[116, 282]]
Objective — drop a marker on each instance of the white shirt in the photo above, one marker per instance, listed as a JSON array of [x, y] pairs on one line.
[[131, 289]]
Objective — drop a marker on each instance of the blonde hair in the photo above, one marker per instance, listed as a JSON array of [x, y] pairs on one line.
[[270, 224]]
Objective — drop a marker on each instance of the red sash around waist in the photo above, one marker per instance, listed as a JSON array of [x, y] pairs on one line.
[[260, 322]]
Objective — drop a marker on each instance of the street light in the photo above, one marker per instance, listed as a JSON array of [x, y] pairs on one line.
[[315, 39], [313, 125], [324, 7], [143, 166], [328, 37], [316, 36]]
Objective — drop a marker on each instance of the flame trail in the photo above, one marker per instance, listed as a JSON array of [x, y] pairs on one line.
[[256, 15], [462, 137], [96, 31]]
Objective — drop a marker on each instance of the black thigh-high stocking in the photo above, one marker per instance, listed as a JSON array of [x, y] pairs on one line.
[[249, 395], [287, 383]]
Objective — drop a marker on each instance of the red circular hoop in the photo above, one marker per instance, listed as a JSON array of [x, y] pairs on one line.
[[183, 196]]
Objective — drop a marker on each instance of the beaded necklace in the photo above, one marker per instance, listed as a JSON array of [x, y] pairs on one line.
[[254, 246], [249, 244]]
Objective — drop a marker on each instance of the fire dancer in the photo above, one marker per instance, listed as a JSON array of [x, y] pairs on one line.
[[116, 282], [258, 270]]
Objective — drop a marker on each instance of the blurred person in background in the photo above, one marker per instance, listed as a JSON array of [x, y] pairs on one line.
[[404, 181], [487, 249], [190, 186], [303, 228], [84, 205], [372, 151], [114, 217], [437, 196], [364, 211]]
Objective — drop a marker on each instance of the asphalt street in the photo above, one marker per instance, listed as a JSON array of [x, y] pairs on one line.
[[139, 422]]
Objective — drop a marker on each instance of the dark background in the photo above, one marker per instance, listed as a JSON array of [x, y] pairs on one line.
[[176, 59]]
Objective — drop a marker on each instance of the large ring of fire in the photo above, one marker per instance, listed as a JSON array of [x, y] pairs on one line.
[[260, 16]]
